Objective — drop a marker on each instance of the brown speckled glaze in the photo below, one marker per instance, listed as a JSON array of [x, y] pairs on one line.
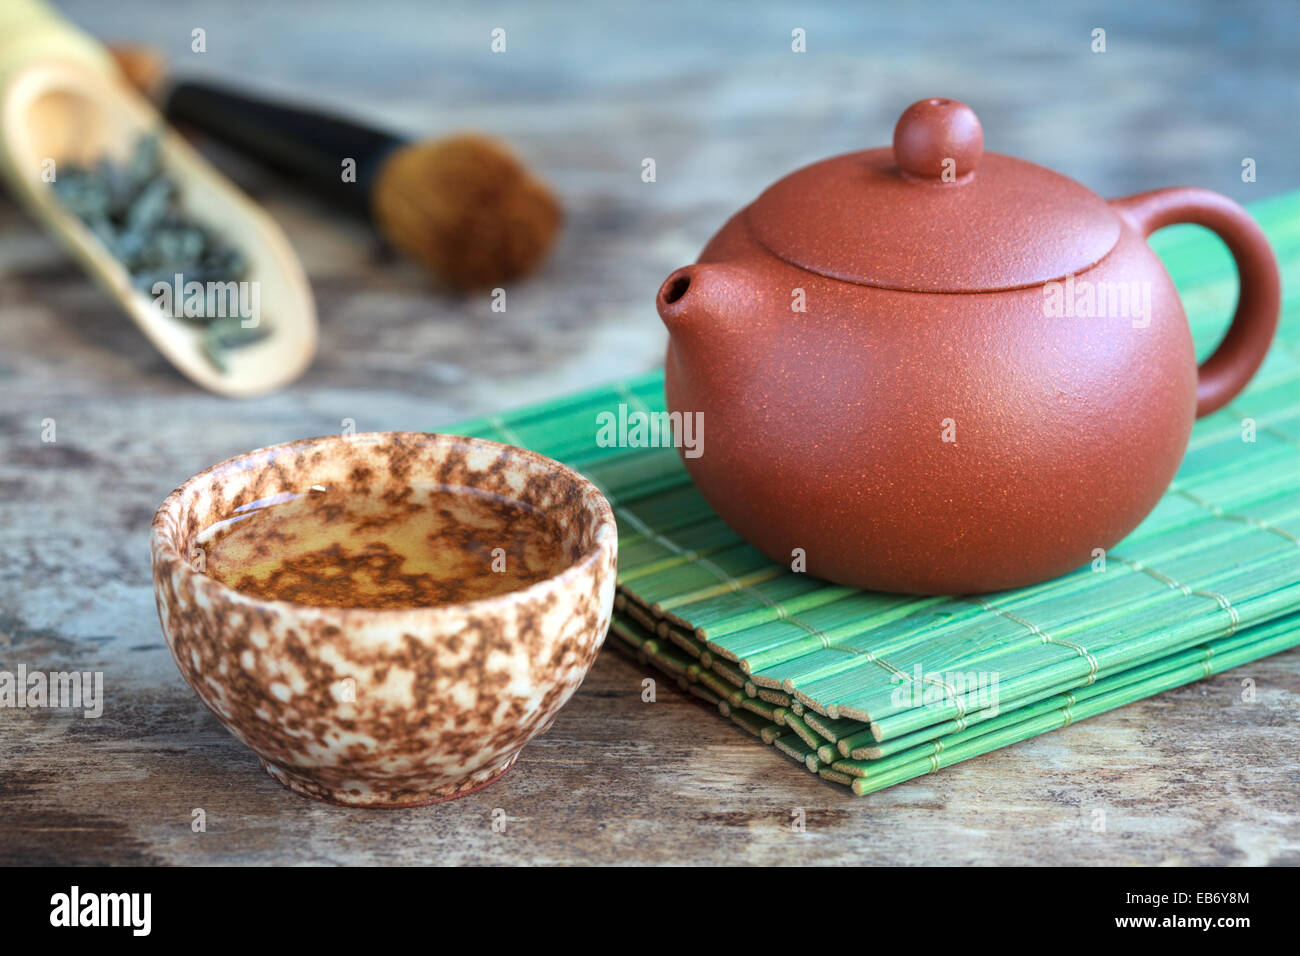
[[386, 707], [923, 424]]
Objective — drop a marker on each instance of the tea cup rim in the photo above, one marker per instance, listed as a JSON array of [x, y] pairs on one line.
[[164, 548]]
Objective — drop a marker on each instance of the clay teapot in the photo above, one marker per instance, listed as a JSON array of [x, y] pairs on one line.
[[934, 370]]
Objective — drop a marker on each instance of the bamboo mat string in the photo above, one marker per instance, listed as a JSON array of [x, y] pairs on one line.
[[1041, 634], [1268, 429], [1218, 512], [897, 674], [1223, 602]]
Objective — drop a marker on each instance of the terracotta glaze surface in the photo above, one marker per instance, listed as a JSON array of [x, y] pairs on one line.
[[948, 383], [889, 217], [379, 706]]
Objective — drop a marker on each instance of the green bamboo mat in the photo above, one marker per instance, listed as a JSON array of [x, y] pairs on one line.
[[873, 676], [804, 740]]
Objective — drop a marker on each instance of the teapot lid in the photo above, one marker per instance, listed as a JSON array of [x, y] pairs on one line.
[[935, 213]]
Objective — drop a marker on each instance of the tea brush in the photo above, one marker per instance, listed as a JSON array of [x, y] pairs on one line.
[[463, 206]]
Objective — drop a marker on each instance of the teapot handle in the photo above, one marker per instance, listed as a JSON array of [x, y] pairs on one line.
[[1239, 355]]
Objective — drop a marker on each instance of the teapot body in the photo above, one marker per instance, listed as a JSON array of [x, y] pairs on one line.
[[930, 443]]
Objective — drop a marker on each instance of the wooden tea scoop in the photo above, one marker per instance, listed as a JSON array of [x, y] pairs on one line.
[[465, 207], [63, 103]]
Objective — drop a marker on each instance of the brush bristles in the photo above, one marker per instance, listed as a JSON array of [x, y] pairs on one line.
[[143, 67], [467, 209]]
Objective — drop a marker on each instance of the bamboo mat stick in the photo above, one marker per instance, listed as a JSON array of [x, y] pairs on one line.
[[862, 744], [1066, 716]]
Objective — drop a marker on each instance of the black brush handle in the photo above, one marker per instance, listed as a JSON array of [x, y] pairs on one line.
[[306, 144]]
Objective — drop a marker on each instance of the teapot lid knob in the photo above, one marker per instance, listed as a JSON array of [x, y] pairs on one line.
[[938, 140]]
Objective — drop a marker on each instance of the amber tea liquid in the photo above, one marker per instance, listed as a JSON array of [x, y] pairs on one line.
[[436, 545]]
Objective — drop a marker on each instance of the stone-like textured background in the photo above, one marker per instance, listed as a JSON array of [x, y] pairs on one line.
[[714, 95]]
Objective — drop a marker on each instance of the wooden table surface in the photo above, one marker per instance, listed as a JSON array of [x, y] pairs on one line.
[[1198, 775]]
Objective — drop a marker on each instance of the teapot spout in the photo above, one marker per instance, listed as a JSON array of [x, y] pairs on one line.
[[701, 297]]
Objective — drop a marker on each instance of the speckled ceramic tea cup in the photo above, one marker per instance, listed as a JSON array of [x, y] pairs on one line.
[[386, 707]]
